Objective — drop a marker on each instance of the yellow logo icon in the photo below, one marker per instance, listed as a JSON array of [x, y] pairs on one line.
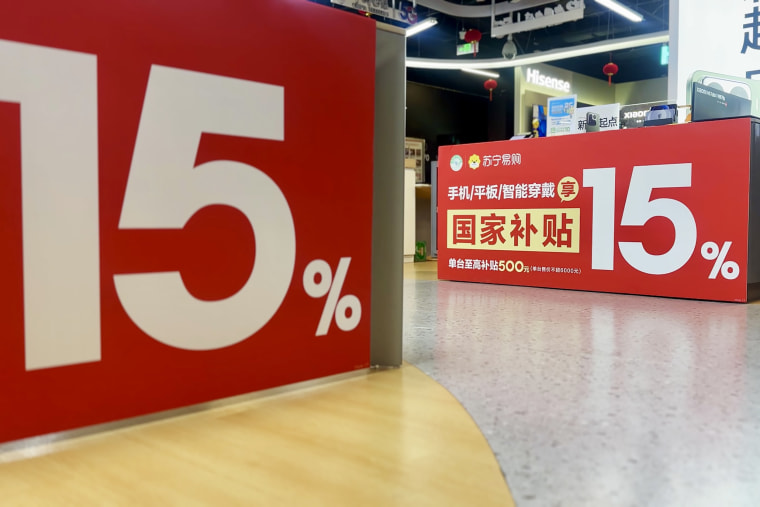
[[474, 161], [568, 188]]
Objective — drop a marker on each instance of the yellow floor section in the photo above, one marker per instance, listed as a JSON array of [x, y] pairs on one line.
[[427, 270], [390, 438]]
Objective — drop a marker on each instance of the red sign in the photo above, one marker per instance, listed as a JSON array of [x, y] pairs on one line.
[[177, 224], [659, 211]]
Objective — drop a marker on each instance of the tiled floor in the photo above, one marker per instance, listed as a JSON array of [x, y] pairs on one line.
[[591, 399]]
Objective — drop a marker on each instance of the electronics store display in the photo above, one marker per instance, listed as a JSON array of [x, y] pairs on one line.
[[664, 114], [592, 122], [713, 96]]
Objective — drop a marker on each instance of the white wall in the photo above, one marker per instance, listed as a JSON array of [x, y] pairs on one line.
[[708, 35], [648, 90]]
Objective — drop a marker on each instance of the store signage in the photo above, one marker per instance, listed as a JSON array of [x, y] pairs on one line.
[[596, 118], [525, 20], [402, 11], [630, 211], [734, 51], [633, 116], [560, 115], [534, 76], [165, 202]]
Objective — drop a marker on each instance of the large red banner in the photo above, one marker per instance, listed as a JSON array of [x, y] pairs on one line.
[[658, 211], [179, 223]]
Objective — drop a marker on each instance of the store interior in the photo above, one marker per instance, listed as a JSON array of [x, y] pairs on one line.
[[507, 393], [449, 106]]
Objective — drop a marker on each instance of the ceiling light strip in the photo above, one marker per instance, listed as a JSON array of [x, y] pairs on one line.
[[622, 10], [422, 25], [482, 73], [546, 56]]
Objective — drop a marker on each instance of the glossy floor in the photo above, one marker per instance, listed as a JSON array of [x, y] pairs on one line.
[[591, 399]]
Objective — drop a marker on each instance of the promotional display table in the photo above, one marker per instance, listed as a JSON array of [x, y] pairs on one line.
[[663, 211]]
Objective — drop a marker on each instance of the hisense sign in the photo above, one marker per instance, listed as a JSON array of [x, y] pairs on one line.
[[534, 76]]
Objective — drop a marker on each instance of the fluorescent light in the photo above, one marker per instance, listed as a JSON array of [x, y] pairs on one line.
[[547, 56], [482, 73], [422, 25], [622, 10]]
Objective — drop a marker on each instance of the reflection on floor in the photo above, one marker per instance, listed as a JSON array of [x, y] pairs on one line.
[[586, 399], [387, 438], [591, 399]]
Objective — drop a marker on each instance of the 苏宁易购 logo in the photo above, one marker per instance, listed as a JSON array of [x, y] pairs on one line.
[[456, 163]]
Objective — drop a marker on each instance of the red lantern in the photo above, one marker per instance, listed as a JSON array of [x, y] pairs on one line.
[[490, 85], [610, 70], [473, 35]]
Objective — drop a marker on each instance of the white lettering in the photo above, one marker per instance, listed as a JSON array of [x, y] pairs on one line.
[[704, 91], [57, 92], [534, 76]]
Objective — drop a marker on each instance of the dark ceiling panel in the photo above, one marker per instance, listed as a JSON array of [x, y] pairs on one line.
[[598, 24]]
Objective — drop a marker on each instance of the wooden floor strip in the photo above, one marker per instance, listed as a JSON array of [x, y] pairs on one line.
[[391, 437], [426, 270]]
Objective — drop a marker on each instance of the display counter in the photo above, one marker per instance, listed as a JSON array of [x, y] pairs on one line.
[[663, 211]]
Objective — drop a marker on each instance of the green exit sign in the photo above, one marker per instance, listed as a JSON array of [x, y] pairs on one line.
[[664, 54], [467, 49]]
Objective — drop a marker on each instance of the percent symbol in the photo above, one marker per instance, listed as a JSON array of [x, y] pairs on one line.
[[711, 252], [318, 280]]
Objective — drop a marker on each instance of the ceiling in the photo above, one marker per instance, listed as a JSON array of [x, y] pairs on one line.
[[598, 24]]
